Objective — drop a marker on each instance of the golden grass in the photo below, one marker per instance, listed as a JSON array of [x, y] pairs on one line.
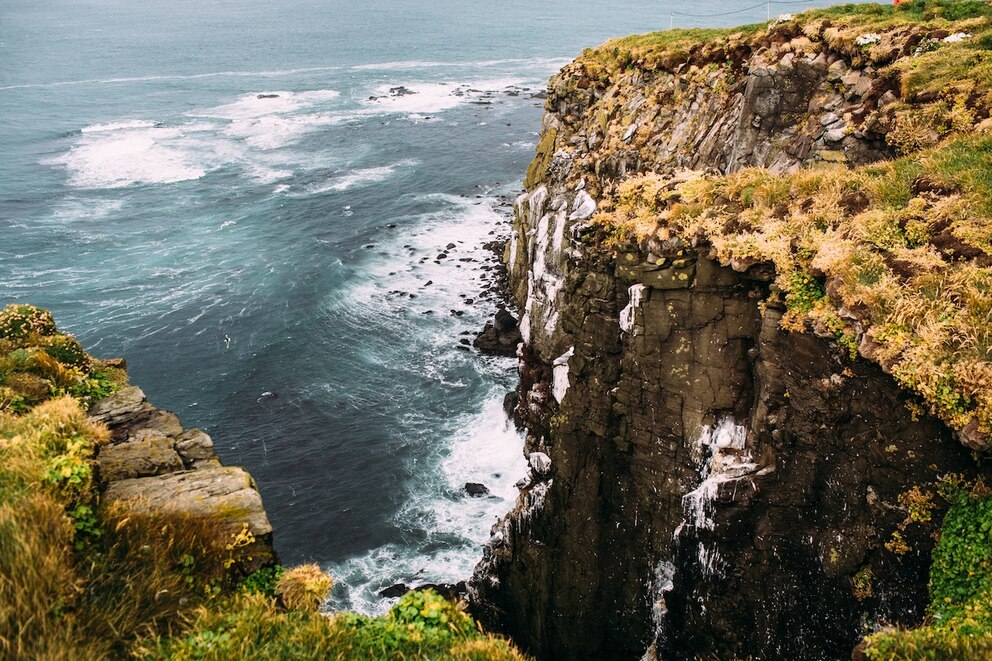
[[905, 265]]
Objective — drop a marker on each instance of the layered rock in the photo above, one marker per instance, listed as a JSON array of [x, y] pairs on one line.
[[703, 483], [154, 465]]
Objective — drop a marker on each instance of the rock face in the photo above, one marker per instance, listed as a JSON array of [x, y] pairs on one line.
[[154, 465], [703, 484]]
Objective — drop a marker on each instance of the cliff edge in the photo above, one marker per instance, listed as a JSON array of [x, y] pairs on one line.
[[753, 272]]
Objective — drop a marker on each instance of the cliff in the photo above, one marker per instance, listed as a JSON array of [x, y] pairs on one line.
[[123, 536], [752, 267]]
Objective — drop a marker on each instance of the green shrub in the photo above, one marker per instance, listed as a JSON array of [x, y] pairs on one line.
[[263, 581], [67, 350], [959, 621], [18, 321]]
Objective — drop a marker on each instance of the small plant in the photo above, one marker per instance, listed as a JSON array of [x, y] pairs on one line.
[[897, 544], [919, 505], [240, 540], [861, 584], [263, 581], [19, 321], [303, 588], [804, 292]]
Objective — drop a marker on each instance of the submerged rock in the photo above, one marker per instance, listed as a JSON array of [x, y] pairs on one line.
[[476, 489]]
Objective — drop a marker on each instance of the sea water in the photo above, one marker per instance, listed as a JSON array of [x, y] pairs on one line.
[[250, 200]]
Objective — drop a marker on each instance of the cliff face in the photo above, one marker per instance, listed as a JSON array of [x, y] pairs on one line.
[[718, 486]]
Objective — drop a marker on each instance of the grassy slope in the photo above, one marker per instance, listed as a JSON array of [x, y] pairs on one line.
[[78, 580]]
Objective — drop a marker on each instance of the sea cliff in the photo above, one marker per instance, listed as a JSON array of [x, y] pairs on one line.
[[752, 272]]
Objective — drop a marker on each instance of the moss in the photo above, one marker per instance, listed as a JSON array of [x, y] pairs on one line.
[[959, 619], [545, 154]]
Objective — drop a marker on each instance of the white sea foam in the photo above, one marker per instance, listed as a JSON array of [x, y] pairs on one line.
[[477, 447], [259, 104], [485, 448], [118, 126], [138, 151], [364, 176], [275, 131], [433, 97], [129, 158]]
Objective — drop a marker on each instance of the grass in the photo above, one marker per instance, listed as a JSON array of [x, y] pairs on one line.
[[421, 626], [891, 259], [959, 620], [900, 263], [84, 580]]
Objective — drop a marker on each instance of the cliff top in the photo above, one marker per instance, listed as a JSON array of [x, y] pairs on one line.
[[847, 147]]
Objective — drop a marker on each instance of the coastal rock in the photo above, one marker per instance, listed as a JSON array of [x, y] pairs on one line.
[[153, 465], [475, 489], [450, 591], [499, 337], [540, 462], [226, 495], [146, 453], [720, 485]]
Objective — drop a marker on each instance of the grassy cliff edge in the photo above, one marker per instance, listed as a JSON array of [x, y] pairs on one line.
[[83, 577]]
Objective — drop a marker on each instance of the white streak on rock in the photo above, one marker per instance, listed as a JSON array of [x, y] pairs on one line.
[[560, 375], [627, 315], [540, 462], [583, 206]]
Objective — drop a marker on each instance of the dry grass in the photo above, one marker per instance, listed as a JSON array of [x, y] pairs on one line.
[[84, 581], [901, 256], [303, 588]]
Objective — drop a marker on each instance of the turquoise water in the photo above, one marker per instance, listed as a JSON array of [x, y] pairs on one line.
[[239, 197]]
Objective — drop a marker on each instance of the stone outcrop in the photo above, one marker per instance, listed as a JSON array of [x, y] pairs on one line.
[[154, 465], [703, 483], [499, 337]]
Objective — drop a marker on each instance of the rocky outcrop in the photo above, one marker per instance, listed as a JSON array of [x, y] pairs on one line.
[[499, 337], [154, 465], [703, 483]]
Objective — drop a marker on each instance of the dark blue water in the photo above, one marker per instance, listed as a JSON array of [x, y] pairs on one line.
[[263, 262]]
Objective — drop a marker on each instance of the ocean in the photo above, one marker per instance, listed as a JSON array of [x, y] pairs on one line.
[[276, 210]]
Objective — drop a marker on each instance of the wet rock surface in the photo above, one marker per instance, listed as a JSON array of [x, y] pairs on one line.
[[499, 337]]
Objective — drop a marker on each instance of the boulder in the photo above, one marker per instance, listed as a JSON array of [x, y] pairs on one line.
[[540, 462], [500, 337], [144, 454], [476, 489], [226, 495]]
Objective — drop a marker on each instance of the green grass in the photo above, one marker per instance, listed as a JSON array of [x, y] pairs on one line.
[[81, 580], [959, 621], [421, 626]]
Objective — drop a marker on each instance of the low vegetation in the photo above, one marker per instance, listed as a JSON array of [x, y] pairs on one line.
[[959, 621], [81, 580], [891, 258]]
